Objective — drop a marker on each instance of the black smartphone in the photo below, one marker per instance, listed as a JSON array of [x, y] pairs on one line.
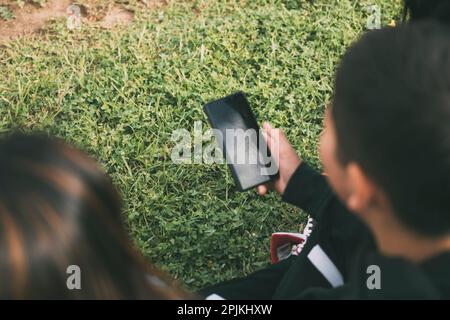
[[240, 139]]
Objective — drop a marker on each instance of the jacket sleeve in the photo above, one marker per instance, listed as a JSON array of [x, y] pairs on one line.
[[309, 190]]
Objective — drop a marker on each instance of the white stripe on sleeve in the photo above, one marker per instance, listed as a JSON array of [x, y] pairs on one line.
[[326, 267]]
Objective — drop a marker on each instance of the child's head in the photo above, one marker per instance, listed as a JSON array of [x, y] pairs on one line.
[[387, 139], [58, 209], [417, 10]]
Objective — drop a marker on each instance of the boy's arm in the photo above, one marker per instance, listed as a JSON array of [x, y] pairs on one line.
[[299, 184], [310, 191]]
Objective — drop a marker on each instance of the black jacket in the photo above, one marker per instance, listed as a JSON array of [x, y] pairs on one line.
[[346, 248], [349, 244]]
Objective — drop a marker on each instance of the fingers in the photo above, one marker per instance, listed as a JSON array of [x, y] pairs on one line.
[[274, 134], [267, 138], [271, 136], [267, 128], [262, 189]]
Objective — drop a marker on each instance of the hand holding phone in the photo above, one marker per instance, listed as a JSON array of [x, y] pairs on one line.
[[240, 139], [284, 155]]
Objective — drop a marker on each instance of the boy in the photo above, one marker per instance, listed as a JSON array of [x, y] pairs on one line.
[[383, 209]]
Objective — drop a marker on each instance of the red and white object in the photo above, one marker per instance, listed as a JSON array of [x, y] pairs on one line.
[[285, 244]]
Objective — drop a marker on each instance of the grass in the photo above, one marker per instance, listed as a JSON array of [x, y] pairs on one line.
[[6, 13], [118, 94]]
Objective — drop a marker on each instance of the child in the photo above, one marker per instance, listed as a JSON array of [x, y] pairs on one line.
[[61, 229], [383, 208]]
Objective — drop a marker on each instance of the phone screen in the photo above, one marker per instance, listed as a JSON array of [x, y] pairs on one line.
[[237, 133]]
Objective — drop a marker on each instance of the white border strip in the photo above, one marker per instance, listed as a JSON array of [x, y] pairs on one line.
[[326, 267]]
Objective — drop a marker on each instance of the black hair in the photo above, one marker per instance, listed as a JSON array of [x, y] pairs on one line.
[[391, 110], [416, 10], [58, 209]]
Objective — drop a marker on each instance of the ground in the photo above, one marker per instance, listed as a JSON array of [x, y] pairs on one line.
[[138, 70]]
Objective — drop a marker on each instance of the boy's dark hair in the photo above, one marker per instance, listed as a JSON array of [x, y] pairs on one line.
[[417, 10], [391, 110]]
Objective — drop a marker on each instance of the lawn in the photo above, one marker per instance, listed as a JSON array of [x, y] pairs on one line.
[[119, 94]]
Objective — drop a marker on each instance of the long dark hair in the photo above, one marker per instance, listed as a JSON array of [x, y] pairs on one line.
[[59, 209]]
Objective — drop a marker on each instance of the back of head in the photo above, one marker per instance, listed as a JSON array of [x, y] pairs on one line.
[[391, 111], [418, 10], [59, 210]]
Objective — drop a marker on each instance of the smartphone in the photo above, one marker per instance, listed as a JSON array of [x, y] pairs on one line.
[[240, 140]]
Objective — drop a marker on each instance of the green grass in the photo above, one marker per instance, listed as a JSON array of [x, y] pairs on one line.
[[119, 95], [6, 13]]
